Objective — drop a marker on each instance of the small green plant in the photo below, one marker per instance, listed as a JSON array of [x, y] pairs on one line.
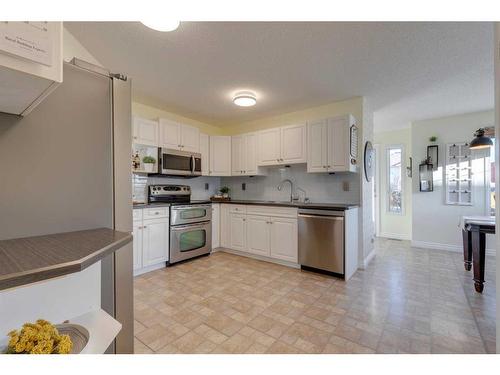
[[433, 138], [224, 190], [148, 160]]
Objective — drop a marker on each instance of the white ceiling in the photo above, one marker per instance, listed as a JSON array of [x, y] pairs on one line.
[[407, 71]]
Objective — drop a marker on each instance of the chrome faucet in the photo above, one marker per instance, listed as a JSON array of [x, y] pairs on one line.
[[280, 186]]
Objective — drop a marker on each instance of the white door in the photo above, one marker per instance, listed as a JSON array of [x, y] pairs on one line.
[[284, 239], [155, 241], [293, 144], [317, 144], [170, 134], [220, 156], [215, 226], [238, 229], [137, 244], [250, 156], [269, 147], [190, 138], [338, 144], [237, 155], [145, 132], [205, 153], [259, 235]]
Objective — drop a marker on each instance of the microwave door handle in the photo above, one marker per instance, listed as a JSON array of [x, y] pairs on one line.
[[192, 164]]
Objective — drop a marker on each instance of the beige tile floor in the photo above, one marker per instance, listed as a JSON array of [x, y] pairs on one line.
[[407, 301]]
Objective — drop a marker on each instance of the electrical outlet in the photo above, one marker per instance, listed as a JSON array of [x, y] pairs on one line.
[[207, 186], [345, 185], [243, 186]]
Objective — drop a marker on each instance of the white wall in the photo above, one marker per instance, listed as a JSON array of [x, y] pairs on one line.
[[435, 224], [319, 187], [392, 225], [497, 152]]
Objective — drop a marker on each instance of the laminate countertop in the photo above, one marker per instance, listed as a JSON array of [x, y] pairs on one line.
[[31, 259]]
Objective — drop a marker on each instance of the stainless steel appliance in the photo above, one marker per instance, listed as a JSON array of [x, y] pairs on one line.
[[179, 163], [79, 150], [190, 221], [321, 240]]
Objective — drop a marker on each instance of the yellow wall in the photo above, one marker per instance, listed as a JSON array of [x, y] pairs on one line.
[[354, 106], [395, 225], [153, 113]]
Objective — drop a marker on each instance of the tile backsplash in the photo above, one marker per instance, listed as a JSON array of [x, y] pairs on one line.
[[319, 187]]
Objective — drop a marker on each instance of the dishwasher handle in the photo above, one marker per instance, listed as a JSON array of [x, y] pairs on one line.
[[323, 217], [320, 213]]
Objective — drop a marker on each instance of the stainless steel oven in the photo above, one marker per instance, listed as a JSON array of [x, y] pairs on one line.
[[179, 163], [190, 231]]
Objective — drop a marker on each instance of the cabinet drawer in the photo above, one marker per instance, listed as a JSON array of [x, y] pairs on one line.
[[156, 212], [137, 214], [290, 212], [238, 208]]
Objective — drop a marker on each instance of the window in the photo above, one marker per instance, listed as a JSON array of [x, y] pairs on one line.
[[395, 179]]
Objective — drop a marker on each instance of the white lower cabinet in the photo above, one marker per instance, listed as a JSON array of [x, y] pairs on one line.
[[284, 239], [215, 226], [258, 235], [238, 231], [151, 240]]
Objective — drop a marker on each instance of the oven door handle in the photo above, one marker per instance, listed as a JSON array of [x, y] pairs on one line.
[[178, 228]]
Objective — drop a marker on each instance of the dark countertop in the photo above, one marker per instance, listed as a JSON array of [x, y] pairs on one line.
[[31, 259], [316, 206]]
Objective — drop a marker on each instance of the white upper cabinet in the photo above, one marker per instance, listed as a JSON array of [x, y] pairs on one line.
[[317, 151], [220, 155], [145, 132], [332, 145], [205, 154], [29, 74], [285, 145], [176, 136], [269, 145], [293, 144], [244, 155]]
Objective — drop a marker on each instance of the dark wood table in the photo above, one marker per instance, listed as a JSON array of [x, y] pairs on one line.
[[474, 243]]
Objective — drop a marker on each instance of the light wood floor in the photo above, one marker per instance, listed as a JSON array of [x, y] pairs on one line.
[[408, 301]]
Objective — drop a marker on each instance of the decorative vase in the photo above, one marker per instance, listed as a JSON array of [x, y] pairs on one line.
[[148, 167], [225, 195]]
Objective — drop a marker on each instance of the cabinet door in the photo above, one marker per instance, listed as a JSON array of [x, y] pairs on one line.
[[284, 239], [250, 156], [293, 144], [205, 154], [170, 134], [220, 156], [215, 226], [225, 232], [238, 229], [237, 155], [338, 144], [269, 147], [137, 244], [155, 241], [259, 235], [145, 132], [190, 138], [317, 149]]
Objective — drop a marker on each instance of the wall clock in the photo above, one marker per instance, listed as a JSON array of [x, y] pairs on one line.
[[368, 161]]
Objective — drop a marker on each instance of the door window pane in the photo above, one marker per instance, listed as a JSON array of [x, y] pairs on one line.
[[395, 176], [192, 240]]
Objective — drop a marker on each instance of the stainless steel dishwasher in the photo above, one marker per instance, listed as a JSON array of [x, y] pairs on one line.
[[321, 240]]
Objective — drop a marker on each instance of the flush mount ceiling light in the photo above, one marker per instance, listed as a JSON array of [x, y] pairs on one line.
[[162, 25], [245, 99]]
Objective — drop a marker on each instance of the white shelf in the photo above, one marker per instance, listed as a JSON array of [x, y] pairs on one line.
[[102, 327]]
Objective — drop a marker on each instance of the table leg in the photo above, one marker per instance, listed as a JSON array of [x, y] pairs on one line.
[[478, 258], [467, 244]]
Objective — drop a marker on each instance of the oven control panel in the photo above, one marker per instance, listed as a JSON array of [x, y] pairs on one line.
[[161, 190]]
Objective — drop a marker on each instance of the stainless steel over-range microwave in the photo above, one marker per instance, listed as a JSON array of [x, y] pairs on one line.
[[179, 163]]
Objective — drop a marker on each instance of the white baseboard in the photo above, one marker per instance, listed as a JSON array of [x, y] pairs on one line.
[[258, 257], [154, 267], [368, 259], [446, 247], [395, 236]]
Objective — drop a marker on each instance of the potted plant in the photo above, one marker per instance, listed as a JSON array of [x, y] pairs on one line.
[[149, 163], [433, 138], [224, 191]]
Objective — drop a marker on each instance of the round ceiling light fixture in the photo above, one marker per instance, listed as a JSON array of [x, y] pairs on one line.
[[162, 25], [245, 99]]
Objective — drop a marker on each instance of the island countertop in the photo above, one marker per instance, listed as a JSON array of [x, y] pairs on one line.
[[31, 259]]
